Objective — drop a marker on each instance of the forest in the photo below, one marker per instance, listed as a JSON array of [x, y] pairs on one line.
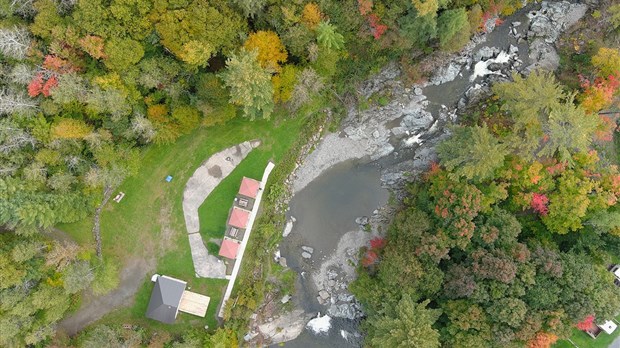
[[507, 239], [88, 85]]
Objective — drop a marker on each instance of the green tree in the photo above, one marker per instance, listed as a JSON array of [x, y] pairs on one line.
[[453, 29], [409, 325], [250, 7], [569, 131], [529, 101], [328, 37], [569, 203], [122, 53], [250, 85], [510, 311], [195, 31], [472, 152]]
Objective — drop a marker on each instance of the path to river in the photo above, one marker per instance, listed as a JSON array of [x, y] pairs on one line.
[[380, 144]]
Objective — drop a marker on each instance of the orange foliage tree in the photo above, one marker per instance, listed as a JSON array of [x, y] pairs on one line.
[[542, 340], [271, 51], [311, 15]]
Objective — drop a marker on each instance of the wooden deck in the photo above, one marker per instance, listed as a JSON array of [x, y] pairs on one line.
[[194, 303]]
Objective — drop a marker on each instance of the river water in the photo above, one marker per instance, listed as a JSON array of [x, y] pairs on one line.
[[326, 208]]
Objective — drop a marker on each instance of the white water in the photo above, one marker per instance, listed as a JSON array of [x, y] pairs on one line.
[[481, 68], [320, 325]]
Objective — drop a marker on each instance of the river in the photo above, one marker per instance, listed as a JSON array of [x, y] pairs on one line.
[[326, 209]]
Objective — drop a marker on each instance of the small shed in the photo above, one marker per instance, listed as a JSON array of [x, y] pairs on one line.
[[239, 218], [165, 299], [249, 187], [229, 248]]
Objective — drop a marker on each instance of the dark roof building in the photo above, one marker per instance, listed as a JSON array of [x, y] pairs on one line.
[[165, 299]]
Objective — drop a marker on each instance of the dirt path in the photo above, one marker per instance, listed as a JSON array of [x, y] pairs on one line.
[[95, 307]]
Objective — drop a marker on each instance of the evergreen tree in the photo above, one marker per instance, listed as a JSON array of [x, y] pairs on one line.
[[472, 152]]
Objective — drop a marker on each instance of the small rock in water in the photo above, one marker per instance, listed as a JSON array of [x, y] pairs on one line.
[[308, 249], [324, 294], [513, 49], [362, 220], [417, 91], [331, 283], [306, 255], [516, 24], [320, 300], [376, 134]]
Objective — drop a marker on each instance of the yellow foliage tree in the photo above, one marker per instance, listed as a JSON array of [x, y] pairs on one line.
[[196, 53], [69, 128], [158, 113], [607, 60], [271, 51], [311, 15], [425, 7]]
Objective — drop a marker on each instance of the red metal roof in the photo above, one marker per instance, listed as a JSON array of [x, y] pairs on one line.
[[229, 249], [249, 187], [239, 218]]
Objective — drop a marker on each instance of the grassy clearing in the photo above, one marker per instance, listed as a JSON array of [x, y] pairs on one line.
[[149, 222]]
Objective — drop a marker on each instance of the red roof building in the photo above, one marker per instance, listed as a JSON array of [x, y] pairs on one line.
[[238, 218], [229, 248], [249, 187]]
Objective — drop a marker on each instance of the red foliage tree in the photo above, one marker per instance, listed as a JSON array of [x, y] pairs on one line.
[[586, 323], [36, 85], [539, 203], [377, 243], [598, 94], [57, 64], [376, 28], [370, 258], [49, 84]]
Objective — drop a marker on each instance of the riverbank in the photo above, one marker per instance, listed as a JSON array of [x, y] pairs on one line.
[[399, 139]]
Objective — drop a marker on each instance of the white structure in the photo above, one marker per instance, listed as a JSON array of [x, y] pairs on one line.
[[609, 327]]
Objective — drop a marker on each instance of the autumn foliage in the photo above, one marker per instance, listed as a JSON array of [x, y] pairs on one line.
[[539, 203], [69, 128], [372, 255], [39, 85], [376, 28], [93, 45], [598, 94], [311, 15], [271, 51], [542, 340], [586, 323]]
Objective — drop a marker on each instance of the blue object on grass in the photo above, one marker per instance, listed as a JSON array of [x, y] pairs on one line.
[[169, 178]]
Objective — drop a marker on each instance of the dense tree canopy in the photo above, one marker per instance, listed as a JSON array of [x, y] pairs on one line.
[[482, 240]]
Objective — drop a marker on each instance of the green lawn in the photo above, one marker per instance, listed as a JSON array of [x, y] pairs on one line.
[[582, 340], [149, 221]]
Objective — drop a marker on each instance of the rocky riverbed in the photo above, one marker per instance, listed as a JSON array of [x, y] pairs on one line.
[[398, 141]]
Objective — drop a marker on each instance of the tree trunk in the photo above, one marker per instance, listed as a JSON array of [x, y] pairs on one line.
[[107, 193]]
